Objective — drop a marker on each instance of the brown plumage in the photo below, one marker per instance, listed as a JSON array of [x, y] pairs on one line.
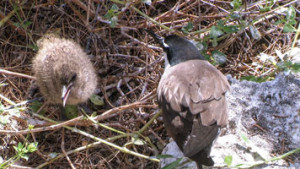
[[63, 71], [191, 94]]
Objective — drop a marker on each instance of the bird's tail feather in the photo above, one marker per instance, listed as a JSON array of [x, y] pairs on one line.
[[202, 158]]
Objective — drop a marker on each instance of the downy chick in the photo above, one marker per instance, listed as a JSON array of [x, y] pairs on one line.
[[63, 71]]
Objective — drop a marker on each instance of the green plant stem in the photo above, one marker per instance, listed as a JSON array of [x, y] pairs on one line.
[[152, 20], [100, 124], [146, 126], [68, 153], [6, 18], [267, 161], [150, 122], [6, 163], [119, 2], [284, 155], [7, 100], [296, 36], [122, 149], [13, 159], [79, 149]]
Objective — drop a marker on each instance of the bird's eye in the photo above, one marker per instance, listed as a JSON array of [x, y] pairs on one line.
[[73, 78]]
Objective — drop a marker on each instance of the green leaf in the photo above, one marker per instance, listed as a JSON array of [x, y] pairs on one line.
[[1, 107], [112, 12], [236, 4], [35, 106], [97, 100], [32, 147], [245, 138], [282, 65], [215, 42], [26, 24], [295, 67], [206, 56], [30, 126], [257, 79], [228, 160], [71, 111], [280, 21], [255, 32], [114, 7], [215, 32], [24, 156], [1, 85], [53, 155], [264, 9], [173, 164], [189, 27], [267, 7], [94, 114], [202, 46], [19, 147], [221, 23], [290, 13], [219, 57], [289, 20], [4, 120], [34, 47], [137, 141], [16, 148], [293, 22], [113, 22], [288, 65], [235, 15], [288, 28], [17, 24], [242, 166], [230, 29], [165, 156]]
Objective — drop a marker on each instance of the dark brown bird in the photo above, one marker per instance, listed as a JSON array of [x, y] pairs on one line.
[[191, 94], [64, 73]]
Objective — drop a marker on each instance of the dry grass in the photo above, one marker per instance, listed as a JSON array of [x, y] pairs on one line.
[[129, 66]]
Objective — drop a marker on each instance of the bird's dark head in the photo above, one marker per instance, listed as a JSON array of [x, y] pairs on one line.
[[68, 81], [179, 49]]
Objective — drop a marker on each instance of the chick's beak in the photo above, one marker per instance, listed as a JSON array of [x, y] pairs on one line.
[[65, 93]]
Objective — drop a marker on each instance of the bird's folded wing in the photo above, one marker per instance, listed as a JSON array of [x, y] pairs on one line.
[[199, 86]]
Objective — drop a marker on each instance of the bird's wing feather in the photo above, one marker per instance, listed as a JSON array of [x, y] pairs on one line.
[[191, 95], [196, 85]]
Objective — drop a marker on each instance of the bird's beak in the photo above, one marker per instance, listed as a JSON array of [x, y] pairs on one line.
[[160, 40], [65, 93]]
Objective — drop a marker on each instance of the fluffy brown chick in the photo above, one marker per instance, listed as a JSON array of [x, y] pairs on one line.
[[63, 71]]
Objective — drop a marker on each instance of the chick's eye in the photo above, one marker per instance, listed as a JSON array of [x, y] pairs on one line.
[[73, 78]]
